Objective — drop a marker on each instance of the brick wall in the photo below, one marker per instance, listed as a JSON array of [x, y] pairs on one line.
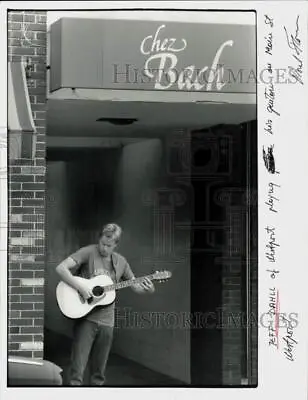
[[27, 38]]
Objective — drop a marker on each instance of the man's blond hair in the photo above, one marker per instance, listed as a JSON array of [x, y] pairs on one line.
[[111, 231]]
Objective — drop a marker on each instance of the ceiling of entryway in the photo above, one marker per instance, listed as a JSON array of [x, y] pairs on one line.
[[78, 118]]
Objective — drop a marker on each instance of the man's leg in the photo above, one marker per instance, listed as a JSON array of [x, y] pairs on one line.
[[99, 355], [84, 335]]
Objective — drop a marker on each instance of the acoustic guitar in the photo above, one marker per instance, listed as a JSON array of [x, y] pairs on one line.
[[103, 289]]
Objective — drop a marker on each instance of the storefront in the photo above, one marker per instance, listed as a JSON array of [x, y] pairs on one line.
[[162, 114]]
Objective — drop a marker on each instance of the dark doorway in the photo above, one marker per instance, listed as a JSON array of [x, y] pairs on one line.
[[224, 176], [215, 173]]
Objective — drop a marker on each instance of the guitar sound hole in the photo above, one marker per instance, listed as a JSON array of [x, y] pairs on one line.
[[97, 291]]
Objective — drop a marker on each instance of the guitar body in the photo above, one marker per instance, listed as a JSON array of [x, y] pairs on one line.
[[72, 304], [103, 289]]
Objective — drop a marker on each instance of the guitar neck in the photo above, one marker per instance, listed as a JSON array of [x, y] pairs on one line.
[[130, 282]]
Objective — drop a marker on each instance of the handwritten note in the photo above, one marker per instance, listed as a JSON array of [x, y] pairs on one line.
[[281, 327], [273, 315], [272, 245], [289, 339]]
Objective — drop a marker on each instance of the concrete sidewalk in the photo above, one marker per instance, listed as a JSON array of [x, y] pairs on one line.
[[123, 372], [120, 371]]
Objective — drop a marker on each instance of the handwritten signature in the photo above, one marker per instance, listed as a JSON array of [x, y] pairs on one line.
[[294, 44]]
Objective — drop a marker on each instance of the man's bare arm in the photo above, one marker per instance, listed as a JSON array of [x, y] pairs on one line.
[[63, 269]]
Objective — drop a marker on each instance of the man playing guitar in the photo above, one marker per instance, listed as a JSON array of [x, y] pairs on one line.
[[93, 333]]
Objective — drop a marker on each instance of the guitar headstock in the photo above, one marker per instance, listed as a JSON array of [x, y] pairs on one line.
[[162, 276]]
